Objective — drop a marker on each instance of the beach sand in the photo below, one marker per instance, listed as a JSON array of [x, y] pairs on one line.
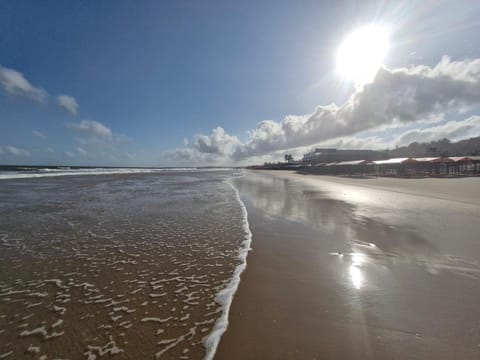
[[358, 269]]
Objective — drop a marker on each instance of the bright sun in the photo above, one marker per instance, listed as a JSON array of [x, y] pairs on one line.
[[361, 54]]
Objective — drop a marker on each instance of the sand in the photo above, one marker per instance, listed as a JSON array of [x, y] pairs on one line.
[[358, 269]]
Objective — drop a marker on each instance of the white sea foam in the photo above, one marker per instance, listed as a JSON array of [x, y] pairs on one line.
[[110, 348], [156, 319], [40, 331], [59, 309], [57, 323], [171, 343], [5, 355], [225, 297], [33, 349], [93, 171]]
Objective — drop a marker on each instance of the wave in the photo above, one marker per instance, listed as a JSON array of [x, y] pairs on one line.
[[48, 172], [225, 297]]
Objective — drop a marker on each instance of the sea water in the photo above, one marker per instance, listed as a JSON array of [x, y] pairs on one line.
[[130, 263]]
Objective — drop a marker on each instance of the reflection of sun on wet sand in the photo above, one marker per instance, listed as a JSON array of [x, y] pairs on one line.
[[358, 269]]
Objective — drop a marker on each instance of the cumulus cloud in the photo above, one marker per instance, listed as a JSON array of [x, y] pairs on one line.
[[180, 154], [453, 130], [92, 128], [14, 83], [39, 134], [400, 95], [68, 103], [14, 151], [218, 142], [395, 98], [205, 149]]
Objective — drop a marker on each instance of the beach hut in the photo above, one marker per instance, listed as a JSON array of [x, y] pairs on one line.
[[476, 165], [355, 168], [467, 165], [315, 168], [395, 167], [434, 166], [462, 165]]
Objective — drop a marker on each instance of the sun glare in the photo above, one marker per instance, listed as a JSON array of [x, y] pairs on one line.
[[361, 54]]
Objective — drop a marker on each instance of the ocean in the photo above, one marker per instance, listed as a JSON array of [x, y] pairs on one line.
[[136, 263]]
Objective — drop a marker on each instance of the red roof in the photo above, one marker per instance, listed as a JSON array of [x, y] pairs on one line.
[[395, 161], [461, 158], [434, 159], [354, 162]]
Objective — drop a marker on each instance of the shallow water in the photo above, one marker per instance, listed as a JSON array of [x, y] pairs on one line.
[[126, 265]]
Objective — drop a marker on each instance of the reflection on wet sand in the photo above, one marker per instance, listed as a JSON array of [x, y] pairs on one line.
[[355, 272], [357, 233]]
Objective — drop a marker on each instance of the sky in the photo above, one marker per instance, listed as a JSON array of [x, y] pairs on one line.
[[185, 83]]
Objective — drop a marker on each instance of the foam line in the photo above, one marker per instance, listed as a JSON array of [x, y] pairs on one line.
[[225, 297], [97, 171]]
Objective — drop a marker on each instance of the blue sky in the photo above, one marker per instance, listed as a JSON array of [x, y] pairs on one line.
[[156, 83]]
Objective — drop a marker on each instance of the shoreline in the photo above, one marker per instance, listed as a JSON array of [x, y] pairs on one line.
[[225, 297], [359, 269]]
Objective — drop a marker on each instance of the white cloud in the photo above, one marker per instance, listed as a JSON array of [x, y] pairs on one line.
[[81, 151], [206, 149], [181, 155], [189, 156], [39, 134], [68, 103], [396, 97], [453, 130], [353, 142], [14, 151], [15, 83], [218, 142], [92, 128], [96, 143]]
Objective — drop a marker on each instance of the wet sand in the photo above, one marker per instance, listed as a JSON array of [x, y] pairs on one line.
[[358, 269]]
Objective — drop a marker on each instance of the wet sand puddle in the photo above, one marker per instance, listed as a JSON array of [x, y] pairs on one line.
[[126, 266]]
